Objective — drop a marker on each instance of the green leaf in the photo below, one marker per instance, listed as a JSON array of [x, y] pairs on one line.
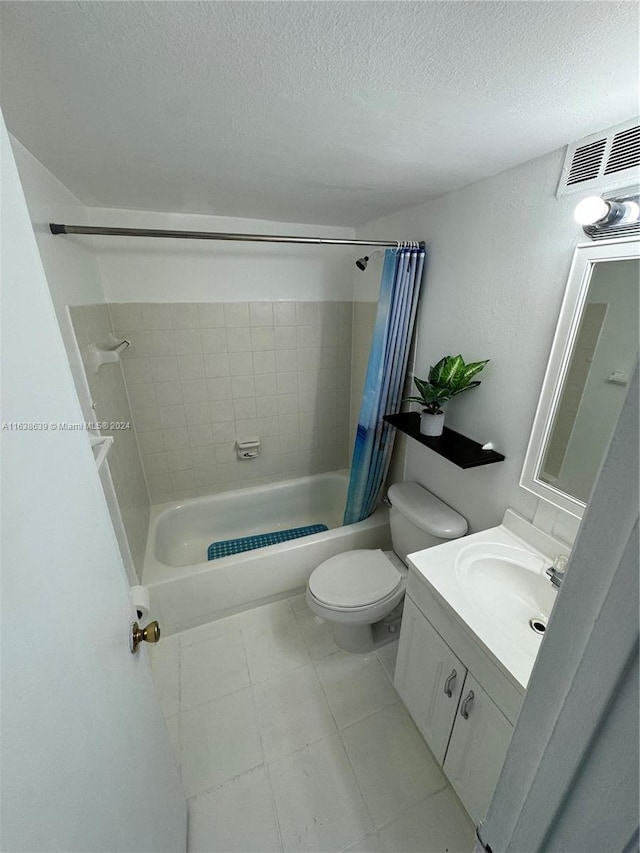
[[420, 385], [454, 369], [474, 367], [438, 371], [466, 388]]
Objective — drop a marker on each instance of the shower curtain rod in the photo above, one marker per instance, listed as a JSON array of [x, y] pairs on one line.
[[219, 235]]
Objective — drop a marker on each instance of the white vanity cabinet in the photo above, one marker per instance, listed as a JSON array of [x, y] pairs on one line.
[[477, 749], [429, 678], [463, 727]]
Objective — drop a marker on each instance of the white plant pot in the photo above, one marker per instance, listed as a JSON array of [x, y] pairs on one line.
[[431, 424]]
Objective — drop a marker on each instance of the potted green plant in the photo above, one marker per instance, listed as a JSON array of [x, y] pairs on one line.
[[448, 378]]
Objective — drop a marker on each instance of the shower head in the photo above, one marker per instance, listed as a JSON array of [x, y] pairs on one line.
[[361, 263]]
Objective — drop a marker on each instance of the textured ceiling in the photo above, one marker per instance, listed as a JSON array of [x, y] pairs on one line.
[[325, 112]]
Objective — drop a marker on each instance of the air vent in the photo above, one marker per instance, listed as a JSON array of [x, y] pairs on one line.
[[603, 161], [586, 162], [625, 151]]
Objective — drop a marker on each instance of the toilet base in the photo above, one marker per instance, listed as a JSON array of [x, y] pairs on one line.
[[360, 639]]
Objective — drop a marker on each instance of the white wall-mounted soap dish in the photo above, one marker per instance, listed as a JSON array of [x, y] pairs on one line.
[[97, 356]]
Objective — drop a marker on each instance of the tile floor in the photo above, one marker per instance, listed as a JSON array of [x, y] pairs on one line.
[[285, 743]]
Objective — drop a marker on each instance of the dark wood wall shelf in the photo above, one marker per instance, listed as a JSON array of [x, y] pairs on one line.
[[457, 448]]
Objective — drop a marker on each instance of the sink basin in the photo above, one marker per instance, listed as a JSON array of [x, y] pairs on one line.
[[494, 583], [509, 585], [507, 581]]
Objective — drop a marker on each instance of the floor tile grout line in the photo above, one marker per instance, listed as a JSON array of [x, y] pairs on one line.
[[319, 657], [358, 841], [274, 806], [408, 808], [388, 674], [278, 674], [197, 705], [232, 616], [402, 811], [254, 703], [222, 633], [217, 787], [355, 776], [366, 716], [249, 685], [326, 697], [325, 736]]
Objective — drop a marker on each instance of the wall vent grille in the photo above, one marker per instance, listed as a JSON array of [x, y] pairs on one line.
[[625, 151], [586, 162], [603, 161]]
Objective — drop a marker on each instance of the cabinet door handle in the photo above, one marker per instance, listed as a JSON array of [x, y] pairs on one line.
[[464, 708], [447, 685]]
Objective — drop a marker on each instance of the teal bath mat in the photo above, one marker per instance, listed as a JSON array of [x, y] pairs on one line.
[[250, 543]]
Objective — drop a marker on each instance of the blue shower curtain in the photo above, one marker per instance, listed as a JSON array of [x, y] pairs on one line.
[[399, 289]]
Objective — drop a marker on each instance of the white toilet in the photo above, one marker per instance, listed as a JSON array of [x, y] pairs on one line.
[[357, 590]]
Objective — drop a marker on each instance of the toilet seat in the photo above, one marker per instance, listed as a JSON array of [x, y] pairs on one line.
[[355, 580]]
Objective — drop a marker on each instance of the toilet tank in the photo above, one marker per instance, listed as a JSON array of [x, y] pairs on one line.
[[420, 520]]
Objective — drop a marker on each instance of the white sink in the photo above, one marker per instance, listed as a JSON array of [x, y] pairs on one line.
[[494, 583], [508, 584]]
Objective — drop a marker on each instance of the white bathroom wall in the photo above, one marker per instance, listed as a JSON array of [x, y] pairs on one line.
[[76, 289], [159, 270], [498, 255], [70, 265]]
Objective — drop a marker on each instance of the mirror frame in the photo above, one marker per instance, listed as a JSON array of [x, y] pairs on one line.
[[585, 256]]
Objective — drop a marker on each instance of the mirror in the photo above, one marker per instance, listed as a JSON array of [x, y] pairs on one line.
[[591, 362]]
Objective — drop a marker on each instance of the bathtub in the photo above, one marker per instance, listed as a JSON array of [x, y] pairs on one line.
[[187, 590]]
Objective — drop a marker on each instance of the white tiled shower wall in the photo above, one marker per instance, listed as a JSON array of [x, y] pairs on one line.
[[200, 376], [92, 324]]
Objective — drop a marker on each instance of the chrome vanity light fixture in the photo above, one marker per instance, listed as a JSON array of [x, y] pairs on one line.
[[602, 216]]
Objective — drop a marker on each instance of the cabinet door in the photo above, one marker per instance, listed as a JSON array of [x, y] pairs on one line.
[[429, 678], [477, 749]]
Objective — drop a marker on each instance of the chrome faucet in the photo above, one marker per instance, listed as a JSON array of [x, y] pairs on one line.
[[556, 576], [558, 571]]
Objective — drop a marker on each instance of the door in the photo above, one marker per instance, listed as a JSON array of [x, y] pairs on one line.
[[477, 749], [429, 677], [86, 759]]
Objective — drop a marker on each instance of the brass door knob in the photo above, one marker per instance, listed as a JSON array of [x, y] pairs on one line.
[[149, 634]]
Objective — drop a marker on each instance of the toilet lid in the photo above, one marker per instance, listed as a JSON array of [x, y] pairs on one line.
[[354, 579]]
